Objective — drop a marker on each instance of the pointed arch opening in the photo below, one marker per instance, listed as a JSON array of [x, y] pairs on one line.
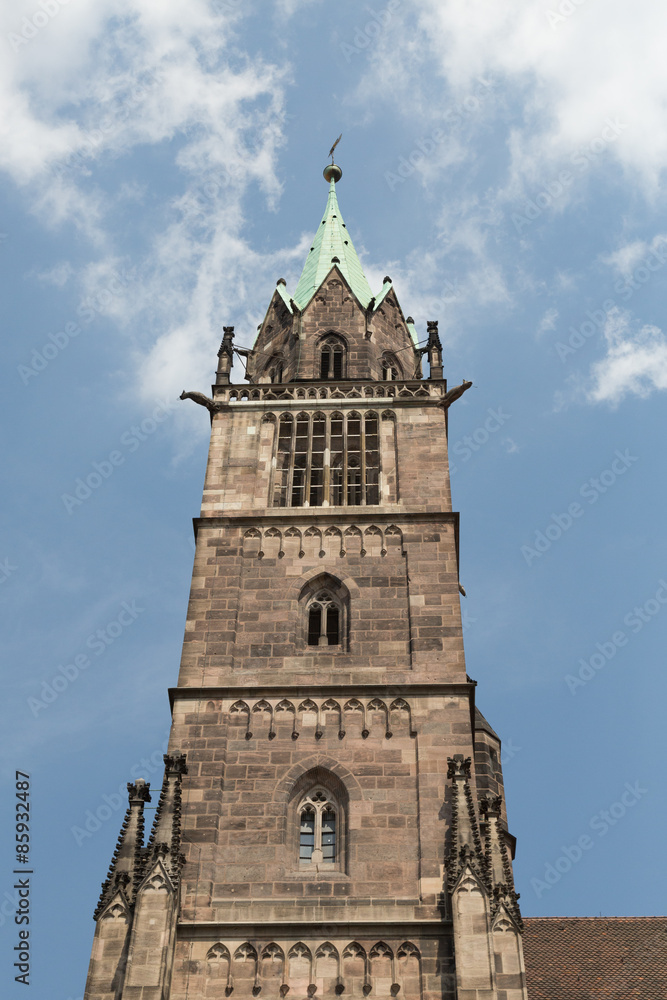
[[391, 367], [324, 614], [317, 821], [332, 357]]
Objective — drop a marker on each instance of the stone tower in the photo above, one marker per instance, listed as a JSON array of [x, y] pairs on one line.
[[332, 818]]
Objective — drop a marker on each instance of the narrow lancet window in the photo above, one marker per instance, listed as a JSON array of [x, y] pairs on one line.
[[317, 831], [332, 358], [324, 621], [307, 834]]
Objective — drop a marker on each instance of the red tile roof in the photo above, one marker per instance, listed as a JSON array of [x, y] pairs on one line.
[[596, 958]]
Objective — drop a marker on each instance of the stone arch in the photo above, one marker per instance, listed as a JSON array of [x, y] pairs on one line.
[[263, 711], [300, 973], [218, 971], [324, 591], [241, 708], [331, 352], [246, 968], [355, 969], [377, 705], [343, 780], [320, 800], [383, 974], [252, 543], [356, 707], [327, 962], [402, 707], [272, 968]]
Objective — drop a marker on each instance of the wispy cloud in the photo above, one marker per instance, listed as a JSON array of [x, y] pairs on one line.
[[635, 362], [561, 76], [172, 76]]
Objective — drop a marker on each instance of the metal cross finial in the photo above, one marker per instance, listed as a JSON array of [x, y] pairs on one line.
[[331, 151]]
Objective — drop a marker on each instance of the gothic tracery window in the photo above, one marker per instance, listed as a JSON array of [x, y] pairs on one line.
[[324, 621], [317, 828], [324, 612], [391, 370], [327, 460], [332, 357], [276, 370]]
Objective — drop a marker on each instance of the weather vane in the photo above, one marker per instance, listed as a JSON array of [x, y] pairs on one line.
[[331, 151]]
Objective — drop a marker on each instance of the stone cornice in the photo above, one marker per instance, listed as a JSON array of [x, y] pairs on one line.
[[285, 690], [341, 515]]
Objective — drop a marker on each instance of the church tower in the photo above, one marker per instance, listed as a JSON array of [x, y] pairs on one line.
[[332, 818]]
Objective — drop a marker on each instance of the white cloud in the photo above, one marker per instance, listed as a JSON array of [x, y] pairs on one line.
[[568, 78], [57, 275], [627, 257], [635, 363], [104, 79], [547, 323]]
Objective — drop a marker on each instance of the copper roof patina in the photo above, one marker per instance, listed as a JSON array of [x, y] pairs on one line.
[[331, 247]]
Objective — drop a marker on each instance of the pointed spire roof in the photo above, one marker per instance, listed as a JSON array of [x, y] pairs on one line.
[[332, 247]]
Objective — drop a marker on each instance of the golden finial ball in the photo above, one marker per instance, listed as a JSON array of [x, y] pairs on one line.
[[332, 171]]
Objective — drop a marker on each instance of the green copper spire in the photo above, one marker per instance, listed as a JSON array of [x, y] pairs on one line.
[[332, 247]]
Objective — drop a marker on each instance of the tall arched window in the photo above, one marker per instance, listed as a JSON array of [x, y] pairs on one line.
[[317, 821], [324, 621], [391, 369], [324, 613], [332, 357], [326, 460], [276, 366], [318, 814]]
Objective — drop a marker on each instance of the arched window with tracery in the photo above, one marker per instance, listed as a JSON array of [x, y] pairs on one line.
[[318, 813], [327, 459], [324, 620], [391, 369], [275, 369], [333, 357], [324, 610]]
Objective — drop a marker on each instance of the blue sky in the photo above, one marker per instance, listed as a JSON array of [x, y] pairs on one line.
[[504, 163]]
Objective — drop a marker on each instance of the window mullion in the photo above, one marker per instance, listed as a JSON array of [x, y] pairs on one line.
[[290, 475], [324, 638], [326, 476], [363, 457], [318, 829], [345, 497], [309, 455]]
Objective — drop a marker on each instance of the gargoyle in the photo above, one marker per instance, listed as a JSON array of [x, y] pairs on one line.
[[200, 398], [453, 394]]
